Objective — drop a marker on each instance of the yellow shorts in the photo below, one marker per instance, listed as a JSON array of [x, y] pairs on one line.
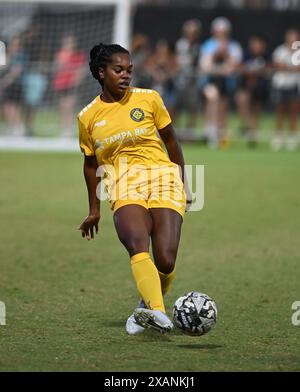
[[180, 208], [162, 188]]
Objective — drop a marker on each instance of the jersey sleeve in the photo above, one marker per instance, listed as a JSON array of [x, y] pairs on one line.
[[160, 112], [85, 141]]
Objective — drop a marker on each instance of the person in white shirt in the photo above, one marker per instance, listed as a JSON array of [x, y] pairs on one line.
[[285, 84], [220, 58]]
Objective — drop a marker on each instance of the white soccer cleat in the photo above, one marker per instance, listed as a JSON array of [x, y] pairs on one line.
[[132, 328], [154, 319]]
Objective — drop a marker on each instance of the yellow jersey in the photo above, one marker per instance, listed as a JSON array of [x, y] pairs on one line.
[[127, 128], [124, 138]]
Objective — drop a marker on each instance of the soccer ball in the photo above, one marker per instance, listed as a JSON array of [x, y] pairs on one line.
[[195, 313]]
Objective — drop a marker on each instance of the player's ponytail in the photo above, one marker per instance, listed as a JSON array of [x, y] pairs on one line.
[[100, 56], [96, 50]]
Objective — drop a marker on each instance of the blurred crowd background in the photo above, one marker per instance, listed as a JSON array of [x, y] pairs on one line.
[[227, 70]]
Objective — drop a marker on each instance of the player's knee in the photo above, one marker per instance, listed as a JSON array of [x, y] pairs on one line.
[[166, 262], [134, 244]]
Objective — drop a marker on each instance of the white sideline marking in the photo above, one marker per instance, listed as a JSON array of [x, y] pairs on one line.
[[38, 144]]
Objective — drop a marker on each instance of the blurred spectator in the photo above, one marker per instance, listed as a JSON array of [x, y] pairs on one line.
[[70, 68], [35, 80], [286, 97], [283, 5], [257, 4], [220, 57], [187, 53], [253, 89], [162, 67], [11, 87], [140, 53]]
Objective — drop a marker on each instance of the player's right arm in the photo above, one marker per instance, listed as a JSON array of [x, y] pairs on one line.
[[90, 166], [91, 222]]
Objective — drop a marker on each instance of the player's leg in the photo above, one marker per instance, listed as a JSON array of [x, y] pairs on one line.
[[243, 104], [256, 109], [165, 236], [280, 113], [294, 112], [134, 224], [277, 141], [279, 98], [222, 121], [210, 131]]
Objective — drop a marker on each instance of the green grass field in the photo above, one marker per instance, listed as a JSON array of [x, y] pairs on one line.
[[67, 299]]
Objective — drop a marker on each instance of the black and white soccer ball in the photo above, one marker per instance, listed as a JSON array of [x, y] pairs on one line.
[[195, 313]]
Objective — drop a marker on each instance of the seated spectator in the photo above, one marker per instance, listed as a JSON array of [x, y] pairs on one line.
[[253, 89], [35, 78], [140, 53], [162, 67], [285, 83], [69, 72], [220, 58], [187, 54], [11, 87]]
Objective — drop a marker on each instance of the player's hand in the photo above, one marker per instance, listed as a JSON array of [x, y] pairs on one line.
[[88, 226], [189, 199]]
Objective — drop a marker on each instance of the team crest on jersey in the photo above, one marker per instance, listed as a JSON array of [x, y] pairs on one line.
[[137, 114]]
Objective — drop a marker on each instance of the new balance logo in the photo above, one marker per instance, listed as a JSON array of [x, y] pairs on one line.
[[100, 123]]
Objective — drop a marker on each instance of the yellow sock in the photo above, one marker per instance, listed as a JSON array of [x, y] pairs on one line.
[[147, 280], [166, 281]]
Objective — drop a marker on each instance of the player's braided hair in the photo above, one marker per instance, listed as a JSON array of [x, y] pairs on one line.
[[100, 56]]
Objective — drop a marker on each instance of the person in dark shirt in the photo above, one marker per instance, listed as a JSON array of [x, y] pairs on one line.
[[254, 83], [11, 87]]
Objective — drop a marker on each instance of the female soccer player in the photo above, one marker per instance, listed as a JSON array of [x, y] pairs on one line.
[[118, 132]]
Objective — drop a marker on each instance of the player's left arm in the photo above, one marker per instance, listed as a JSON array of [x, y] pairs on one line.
[[173, 147]]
